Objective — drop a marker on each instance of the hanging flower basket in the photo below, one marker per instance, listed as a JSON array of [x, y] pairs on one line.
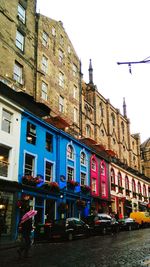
[[72, 184], [30, 180], [85, 189], [51, 186]]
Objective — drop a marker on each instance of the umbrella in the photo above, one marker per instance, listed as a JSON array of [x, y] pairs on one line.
[[28, 215]]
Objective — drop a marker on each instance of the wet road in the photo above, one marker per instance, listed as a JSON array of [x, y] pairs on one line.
[[128, 249]]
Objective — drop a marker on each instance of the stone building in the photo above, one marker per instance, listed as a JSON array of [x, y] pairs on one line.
[[145, 157], [39, 60], [58, 73], [17, 45]]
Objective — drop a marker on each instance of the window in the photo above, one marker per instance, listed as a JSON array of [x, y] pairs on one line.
[[139, 187], [133, 186], [61, 104], [93, 185], [93, 165], [102, 169], [119, 180], [44, 91], [18, 72], [126, 183], [61, 79], [70, 173], [44, 64], [103, 188], [83, 178], [29, 165], [21, 13], [88, 130], [61, 40], [75, 115], [61, 55], [20, 40], [112, 176], [31, 133], [144, 191], [101, 110], [53, 31], [69, 49], [122, 127], [75, 91], [6, 121], [113, 119], [45, 39], [83, 158], [74, 69], [4, 161], [48, 171], [49, 142], [70, 152]]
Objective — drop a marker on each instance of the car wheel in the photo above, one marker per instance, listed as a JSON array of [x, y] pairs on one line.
[[70, 236]]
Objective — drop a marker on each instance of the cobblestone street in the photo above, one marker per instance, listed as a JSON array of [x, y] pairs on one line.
[[130, 249]]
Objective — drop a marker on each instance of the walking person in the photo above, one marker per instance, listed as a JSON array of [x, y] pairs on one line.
[[26, 227]]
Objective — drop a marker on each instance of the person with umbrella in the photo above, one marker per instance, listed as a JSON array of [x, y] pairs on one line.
[[26, 228]]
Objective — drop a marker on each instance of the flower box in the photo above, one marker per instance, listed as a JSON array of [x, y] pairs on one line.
[[51, 186], [30, 180], [72, 183], [85, 189]]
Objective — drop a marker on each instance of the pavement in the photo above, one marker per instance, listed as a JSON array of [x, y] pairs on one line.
[[8, 244]]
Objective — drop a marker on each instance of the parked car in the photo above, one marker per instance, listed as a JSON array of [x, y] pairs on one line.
[[128, 224], [102, 223], [69, 229]]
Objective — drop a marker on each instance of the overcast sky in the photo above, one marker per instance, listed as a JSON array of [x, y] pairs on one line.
[[111, 31]]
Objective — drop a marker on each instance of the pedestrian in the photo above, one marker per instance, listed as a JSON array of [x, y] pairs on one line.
[[25, 244]]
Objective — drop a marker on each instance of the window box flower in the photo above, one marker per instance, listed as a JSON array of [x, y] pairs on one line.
[[72, 183], [51, 186], [85, 189], [30, 180]]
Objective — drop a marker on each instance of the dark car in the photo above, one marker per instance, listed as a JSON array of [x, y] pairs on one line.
[[128, 224], [102, 223], [69, 229]]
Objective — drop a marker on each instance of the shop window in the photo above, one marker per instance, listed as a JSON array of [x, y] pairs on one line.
[[4, 161], [49, 142], [29, 165], [48, 171], [6, 121], [31, 133]]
